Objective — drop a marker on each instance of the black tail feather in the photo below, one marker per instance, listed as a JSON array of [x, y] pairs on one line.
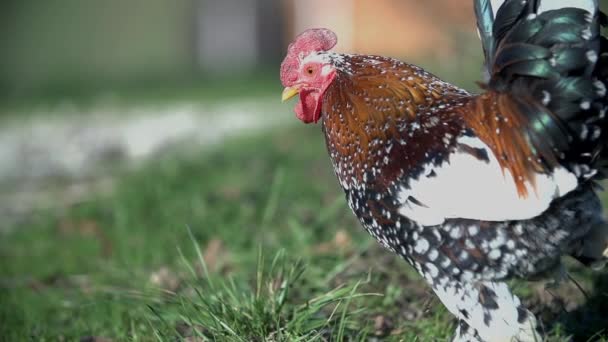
[[555, 65]]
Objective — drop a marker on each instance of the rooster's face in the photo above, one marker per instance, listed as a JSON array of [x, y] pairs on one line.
[[307, 71]]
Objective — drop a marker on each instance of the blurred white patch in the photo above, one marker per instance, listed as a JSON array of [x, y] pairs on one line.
[[67, 141], [79, 145]]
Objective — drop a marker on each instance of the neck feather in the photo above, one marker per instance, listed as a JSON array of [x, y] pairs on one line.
[[375, 103]]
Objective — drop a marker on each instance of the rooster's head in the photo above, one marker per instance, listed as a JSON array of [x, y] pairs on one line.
[[307, 71]]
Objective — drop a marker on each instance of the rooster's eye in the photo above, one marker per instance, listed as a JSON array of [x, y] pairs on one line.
[[310, 70]]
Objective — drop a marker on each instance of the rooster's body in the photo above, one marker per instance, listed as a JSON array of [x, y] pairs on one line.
[[472, 189]]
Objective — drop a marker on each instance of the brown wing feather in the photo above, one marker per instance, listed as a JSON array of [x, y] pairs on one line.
[[495, 119]]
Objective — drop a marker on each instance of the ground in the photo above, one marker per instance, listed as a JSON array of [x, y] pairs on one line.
[[284, 259]]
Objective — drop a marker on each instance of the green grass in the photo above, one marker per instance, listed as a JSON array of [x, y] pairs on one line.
[[252, 241]]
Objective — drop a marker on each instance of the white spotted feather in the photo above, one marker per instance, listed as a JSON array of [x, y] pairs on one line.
[[465, 187]]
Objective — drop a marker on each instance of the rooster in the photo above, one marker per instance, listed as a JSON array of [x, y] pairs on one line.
[[473, 189]]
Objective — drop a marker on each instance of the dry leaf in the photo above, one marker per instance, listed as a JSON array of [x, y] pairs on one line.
[[87, 228], [341, 241], [215, 255], [165, 279]]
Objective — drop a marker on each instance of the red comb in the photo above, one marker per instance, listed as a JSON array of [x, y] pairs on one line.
[[318, 39]]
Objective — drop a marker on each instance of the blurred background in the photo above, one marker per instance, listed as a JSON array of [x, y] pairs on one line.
[[86, 85], [67, 44], [143, 142]]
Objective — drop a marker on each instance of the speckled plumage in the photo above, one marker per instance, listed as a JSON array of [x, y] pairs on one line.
[[472, 190], [459, 253], [375, 125]]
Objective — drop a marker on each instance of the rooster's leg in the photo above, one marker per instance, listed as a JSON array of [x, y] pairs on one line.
[[489, 311], [464, 333]]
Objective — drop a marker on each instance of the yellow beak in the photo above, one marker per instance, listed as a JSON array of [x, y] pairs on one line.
[[288, 93]]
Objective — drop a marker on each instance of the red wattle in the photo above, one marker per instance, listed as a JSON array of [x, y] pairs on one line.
[[308, 109]]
